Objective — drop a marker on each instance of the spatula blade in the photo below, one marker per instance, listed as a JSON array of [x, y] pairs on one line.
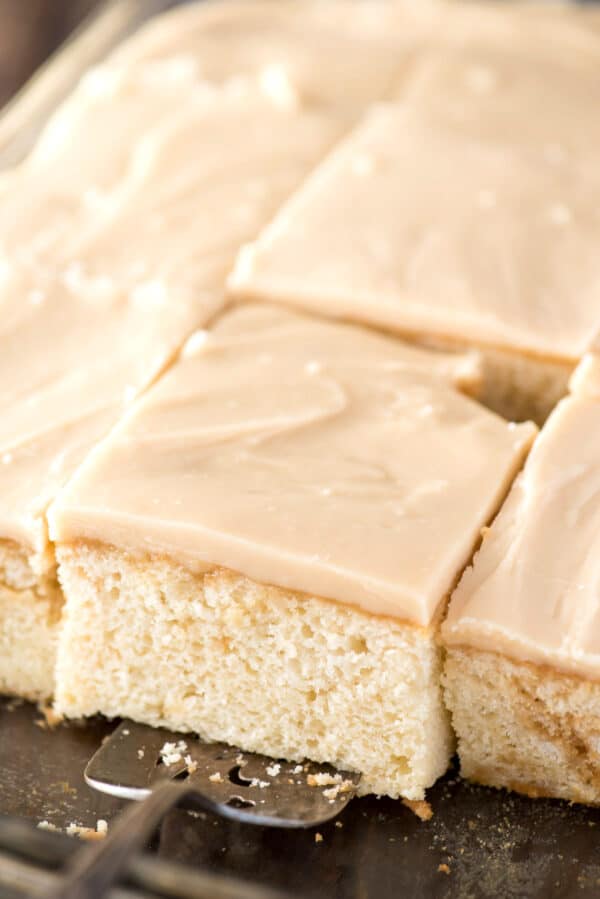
[[240, 785]]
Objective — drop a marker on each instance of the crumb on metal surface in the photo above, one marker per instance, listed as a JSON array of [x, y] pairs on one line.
[[171, 753], [51, 718], [323, 780], [190, 764], [420, 808], [86, 833]]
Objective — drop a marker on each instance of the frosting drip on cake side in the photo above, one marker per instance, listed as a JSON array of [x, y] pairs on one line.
[[315, 456]]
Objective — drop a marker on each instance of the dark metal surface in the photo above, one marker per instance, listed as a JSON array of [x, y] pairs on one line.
[[238, 785], [36, 862], [493, 843]]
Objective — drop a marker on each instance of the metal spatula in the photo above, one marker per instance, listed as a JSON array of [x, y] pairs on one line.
[[240, 785], [167, 770]]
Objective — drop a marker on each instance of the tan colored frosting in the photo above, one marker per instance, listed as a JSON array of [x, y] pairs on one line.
[[118, 230], [469, 213], [585, 380], [100, 286], [315, 456], [338, 53], [533, 592]]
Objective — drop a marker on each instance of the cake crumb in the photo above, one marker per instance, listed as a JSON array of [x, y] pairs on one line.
[[102, 826], [318, 838], [298, 769], [256, 782], [339, 824], [140, 753], [323, 780], [443, 869], [273, 770], [85, 833], [332, 793], [190, 764], [216, 778], [46, 825], [51, 718], [171, 753], [420, 808]]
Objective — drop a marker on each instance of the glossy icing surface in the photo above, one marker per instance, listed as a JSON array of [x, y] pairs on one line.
[[118, 231], [465, 211], [316, 456]]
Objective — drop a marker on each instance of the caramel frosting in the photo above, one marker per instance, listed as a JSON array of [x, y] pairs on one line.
[[337, 54], [533, 592], [117, 232], [96, 299], [461, 214], [315, 456]]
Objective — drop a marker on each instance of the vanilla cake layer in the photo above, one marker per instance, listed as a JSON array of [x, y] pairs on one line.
[[267, 669], [261, 550], [30, 610], [457, 215], [523, 653]]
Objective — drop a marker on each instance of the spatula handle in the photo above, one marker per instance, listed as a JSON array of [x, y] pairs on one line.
[[99, 867]]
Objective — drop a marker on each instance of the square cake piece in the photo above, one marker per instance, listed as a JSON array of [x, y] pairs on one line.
[[117, 231], [261, 551], [460, 215], [100, 299], [522, 674]]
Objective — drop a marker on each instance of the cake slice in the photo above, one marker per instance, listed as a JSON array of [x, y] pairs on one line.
[[459, 216], [261, 550], [90, 319], [522, 672]]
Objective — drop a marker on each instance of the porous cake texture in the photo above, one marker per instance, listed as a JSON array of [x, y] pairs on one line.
[[522, 672], [263, 668], [30, 611], [262, 549], [529, 728]]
